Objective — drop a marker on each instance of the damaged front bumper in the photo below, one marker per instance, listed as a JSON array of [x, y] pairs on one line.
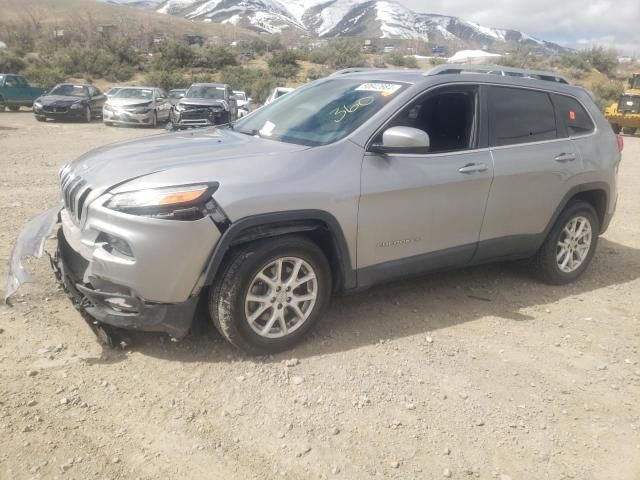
[[105, 306]]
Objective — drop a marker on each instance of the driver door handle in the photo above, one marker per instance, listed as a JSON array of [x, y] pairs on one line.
[[473, 168], [565, 157]]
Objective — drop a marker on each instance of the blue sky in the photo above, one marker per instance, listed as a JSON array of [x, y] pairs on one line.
[[574, 23]]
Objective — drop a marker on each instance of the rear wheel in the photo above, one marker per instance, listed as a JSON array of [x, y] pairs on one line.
[[2, 104], [270, 294], [629, 130], [570, 245], [14, 108]]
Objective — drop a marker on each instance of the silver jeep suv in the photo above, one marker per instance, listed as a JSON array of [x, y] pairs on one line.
[[359, 178]]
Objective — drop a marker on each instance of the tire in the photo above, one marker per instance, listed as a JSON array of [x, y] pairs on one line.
[[41, 118], [547, 262], [154, 120], [87, 114], [229, 307], [14, 108], [109, 124], [629, 130], [2, 104], [616, 128]]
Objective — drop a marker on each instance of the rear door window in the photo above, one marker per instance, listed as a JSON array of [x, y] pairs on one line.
[[520, 116], [573, 116]]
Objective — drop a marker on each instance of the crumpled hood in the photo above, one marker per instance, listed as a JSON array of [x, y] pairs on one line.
[[59, 100], [207, 102], [197, 150]]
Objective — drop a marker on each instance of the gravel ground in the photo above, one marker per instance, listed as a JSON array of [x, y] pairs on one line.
[[480, 373]]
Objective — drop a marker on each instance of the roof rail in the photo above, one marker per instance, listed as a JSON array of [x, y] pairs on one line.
[[496, 70], [344, 71]]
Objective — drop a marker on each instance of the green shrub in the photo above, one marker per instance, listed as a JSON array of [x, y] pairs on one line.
[[284, 64], [174, 55], [257, 83], [218, 58], [399, 60], [166, 79], [41, 75], [340, 53], [608, 92], [11, 63], [603, 60]]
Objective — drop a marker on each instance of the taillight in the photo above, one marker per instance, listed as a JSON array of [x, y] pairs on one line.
[[620, 142]]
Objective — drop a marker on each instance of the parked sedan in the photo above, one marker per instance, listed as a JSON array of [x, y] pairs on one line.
[[137, 106], [69, 100]]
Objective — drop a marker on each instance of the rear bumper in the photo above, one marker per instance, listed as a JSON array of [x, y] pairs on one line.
[[110, 304]]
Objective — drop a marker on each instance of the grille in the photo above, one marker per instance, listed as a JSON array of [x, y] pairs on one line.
[[55, 109], [196, 113], [629, 104], [74, 193]]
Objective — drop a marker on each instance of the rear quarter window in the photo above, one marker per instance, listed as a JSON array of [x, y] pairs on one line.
[[573, 115], [520, 116]]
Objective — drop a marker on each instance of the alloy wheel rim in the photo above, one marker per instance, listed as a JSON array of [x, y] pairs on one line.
[[281, 297], [574, 244]]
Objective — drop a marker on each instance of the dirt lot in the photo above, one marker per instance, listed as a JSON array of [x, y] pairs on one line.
[[481, 373]]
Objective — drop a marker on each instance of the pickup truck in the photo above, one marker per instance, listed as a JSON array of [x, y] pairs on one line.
[[15, 92]]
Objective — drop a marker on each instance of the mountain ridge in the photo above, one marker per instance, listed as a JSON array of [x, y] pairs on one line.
[[345, 18]]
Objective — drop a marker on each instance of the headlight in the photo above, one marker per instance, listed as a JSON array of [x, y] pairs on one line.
[[187, 202], [37, 105], [107, 107], [76, 106], [179, 108]]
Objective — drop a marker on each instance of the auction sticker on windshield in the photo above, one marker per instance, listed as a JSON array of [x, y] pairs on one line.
[[385, 89]]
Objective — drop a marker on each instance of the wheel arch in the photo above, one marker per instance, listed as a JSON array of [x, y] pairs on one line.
[[319, 226], [595, 193]]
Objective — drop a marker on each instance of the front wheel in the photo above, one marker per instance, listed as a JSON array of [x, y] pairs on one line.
[[87, 114], [154, 120], [569, 247], [269, 294]]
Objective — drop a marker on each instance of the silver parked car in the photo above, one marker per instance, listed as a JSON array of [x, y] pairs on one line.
[[137, 106], [356, 179]]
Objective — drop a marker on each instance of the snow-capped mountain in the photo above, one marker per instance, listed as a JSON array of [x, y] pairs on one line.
[[341, 18]]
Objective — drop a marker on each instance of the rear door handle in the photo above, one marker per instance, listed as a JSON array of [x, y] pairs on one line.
[[565, 157], [473, 168]]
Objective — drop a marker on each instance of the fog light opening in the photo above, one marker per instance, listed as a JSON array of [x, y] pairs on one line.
[[115, 245]]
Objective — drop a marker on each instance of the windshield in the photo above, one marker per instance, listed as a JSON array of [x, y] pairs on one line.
[[320, 113], [145, 93], [206, 91], [69, 90], [176, 93], [240, 95]]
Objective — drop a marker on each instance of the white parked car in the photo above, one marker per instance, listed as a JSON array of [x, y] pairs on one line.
[[243, 101], [277, 93], [137, 106]]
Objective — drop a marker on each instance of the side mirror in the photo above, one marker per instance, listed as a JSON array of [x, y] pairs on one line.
[[402, 140]]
